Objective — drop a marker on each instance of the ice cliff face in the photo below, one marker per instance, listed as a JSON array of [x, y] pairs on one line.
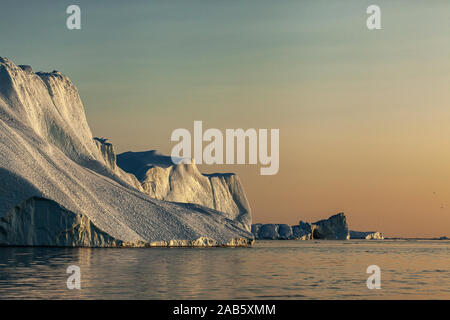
[[52, 225], [107, 152], [163, 180], [109, 157], [60, 187], [333, 228]]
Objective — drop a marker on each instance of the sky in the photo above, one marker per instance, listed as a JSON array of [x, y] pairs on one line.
[[364, 116]]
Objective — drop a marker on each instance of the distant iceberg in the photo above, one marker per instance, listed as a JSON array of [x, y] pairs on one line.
[[368, 235], [333, 228], [60, 187]]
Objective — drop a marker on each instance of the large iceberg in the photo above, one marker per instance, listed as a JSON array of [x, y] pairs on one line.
[[60, 187]]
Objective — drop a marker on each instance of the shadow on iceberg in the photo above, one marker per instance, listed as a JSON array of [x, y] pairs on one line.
[[42, 222]]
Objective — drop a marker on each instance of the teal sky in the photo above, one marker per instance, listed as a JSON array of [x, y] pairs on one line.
[[363, 115]]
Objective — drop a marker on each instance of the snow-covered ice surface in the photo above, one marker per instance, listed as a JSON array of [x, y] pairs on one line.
[[164, 180], [48, 157]]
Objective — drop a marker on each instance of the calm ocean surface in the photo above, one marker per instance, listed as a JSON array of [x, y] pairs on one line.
[[268, 270]]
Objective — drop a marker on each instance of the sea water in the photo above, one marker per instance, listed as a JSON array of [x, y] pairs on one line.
[[268, 270]]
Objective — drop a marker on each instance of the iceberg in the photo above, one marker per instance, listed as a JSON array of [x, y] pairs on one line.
[[333, 228], [368, 235], [60, 187]]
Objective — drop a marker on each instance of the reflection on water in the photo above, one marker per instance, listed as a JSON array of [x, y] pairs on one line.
[[269, 270]]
